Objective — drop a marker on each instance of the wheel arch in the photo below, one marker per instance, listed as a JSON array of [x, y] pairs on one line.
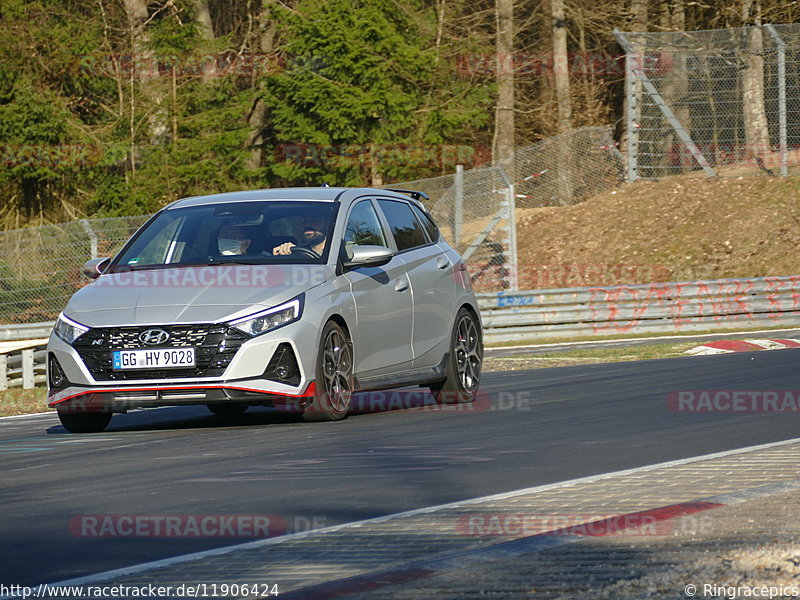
[[475, 313]]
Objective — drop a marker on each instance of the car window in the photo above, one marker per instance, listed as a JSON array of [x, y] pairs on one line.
[[164, 246], [246, 232], [406, 229], [363, 226], [427, 223]]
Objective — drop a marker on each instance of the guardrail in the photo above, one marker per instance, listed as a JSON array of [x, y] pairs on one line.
[[641, 309], [767, 302], [22, 364]]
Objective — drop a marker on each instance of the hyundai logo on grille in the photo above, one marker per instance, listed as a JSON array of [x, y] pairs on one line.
[[153, 337]]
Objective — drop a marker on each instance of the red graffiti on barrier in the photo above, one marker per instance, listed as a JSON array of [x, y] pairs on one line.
[[620, 309]]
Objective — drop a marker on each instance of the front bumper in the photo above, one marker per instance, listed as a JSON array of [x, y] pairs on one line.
[[245, 379], [122, 399]]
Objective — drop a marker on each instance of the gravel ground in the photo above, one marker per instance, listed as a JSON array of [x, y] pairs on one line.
[[734, 551]]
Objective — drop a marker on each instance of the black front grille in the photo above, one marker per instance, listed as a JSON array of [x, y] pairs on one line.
[[214, 347]]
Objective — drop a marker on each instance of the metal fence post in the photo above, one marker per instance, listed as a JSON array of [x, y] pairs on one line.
[[27, 369], [781, 46], [511, 231], [631, 126], [458, 213], [92, 236], [3, 372]]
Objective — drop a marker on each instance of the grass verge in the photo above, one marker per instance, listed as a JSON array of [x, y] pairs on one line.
[[622, 336], [587, 356], [23, 402]]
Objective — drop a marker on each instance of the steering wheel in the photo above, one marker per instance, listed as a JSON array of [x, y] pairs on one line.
[[306, 251]]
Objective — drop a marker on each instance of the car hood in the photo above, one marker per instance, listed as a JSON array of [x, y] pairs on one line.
[[189, 294]]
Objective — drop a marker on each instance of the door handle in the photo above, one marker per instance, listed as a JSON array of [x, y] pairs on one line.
[[401, 285], [442, 262]]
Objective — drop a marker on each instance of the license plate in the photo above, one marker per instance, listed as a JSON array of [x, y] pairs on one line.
[[161, 358]]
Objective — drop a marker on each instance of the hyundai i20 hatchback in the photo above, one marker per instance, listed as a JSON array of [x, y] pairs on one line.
[[291, 298]]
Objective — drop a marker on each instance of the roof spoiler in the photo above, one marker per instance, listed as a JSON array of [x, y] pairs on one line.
[[418, 196]]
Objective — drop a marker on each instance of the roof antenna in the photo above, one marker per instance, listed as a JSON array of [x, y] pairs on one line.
[[325, 185]]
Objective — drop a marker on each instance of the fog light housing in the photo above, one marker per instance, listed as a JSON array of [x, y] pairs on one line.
[[55, 374], [283, 366]]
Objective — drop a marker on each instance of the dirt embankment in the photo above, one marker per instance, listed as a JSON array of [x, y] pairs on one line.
[[678, 229]]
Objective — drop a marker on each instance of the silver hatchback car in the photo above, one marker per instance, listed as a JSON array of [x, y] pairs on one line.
[[291, 298]]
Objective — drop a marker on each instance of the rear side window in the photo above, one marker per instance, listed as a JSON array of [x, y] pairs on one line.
[[406, 229], [427, 223]]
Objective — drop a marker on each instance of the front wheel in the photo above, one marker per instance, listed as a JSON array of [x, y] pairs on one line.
[[84, 422], [464, 362], [334, 376]]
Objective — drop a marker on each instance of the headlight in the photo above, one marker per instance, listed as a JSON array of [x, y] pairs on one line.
[[68, 330], [270, 319]]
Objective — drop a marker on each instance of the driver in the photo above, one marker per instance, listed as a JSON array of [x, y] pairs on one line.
[[232, 241], [313, 237]]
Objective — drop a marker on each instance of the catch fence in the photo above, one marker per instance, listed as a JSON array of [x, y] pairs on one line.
[[724, 102]]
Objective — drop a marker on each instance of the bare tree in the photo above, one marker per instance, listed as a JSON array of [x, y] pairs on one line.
[[638, 15], [563, 99], [672, 17], [561, 66], [755, 115], [259, 114], [503, 143]]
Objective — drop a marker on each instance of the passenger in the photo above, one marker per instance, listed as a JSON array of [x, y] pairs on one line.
[[232, 241]]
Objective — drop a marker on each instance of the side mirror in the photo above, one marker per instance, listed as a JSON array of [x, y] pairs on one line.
[[94, 268], [367, 256]]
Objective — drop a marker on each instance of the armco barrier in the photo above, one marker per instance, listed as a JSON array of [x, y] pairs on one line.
[[756, 302], [22, 364], [641, 309]]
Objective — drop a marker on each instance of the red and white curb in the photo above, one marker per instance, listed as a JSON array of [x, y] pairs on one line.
[[728, 346]]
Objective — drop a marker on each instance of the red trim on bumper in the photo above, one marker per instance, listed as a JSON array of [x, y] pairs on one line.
[[310, 391]]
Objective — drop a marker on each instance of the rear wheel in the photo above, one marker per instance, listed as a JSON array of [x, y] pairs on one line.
[[464, 363], [334, 376], [84, 422], [227, 409]]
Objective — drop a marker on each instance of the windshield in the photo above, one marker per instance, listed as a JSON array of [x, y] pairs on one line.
[[266, 232]]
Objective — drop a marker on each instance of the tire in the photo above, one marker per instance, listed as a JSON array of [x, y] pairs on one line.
[[464, 362], [227, 409], [334, 376], [84, 422]]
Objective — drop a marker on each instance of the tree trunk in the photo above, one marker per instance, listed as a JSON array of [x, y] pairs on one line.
[[206, 27], [638, 14], [259, 115], [561, 66], [563, 100], [503, 147], [145, 74], [755, 114], [676, 88]]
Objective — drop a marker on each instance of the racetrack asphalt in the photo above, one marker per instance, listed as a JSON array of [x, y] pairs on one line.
[[529, 428]]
